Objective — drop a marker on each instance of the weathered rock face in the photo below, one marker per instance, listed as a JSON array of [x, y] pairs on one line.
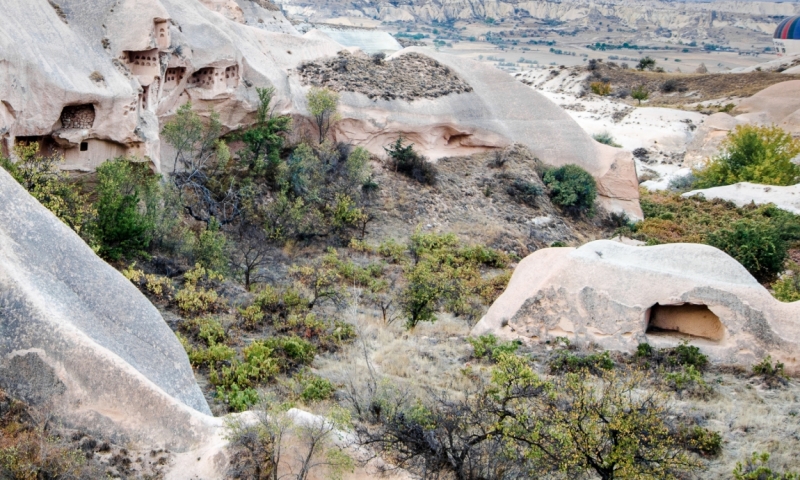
[[497, 112], [134, 63], [77, 337], [618, 296]]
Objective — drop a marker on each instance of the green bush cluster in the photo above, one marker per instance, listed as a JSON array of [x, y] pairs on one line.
[[757, 468], [488, 346], [127, 200], [564, 361], [703, 441], [756, 236], [752, 153], [757, 245], [681, 356], [571, 188], [444, 274], [573, 425]]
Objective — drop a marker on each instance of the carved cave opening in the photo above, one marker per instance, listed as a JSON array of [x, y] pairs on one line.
[[684, 320]]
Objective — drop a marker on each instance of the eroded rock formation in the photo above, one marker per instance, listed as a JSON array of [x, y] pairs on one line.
[[618, 296], [135, 62], [80, 340]]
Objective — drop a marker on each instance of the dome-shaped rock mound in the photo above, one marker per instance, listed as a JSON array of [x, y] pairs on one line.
[[78, 338], [618, 296]]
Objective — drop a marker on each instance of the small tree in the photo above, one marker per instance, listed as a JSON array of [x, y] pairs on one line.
[[264, 139], [323, 104], [609, 428], [646, 63], [572, 188], [200, 168], [757, 245], [411, 164], [751, 153], [41, 177], [640, 93], [250, 254], [127, 199]]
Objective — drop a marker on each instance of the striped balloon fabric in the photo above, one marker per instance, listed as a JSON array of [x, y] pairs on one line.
[[788, 29]]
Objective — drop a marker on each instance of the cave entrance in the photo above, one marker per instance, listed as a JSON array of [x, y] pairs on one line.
[[684, 319]]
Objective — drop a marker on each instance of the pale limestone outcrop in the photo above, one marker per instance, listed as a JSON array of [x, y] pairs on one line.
[[778, 104], [79, 339], [618, 296], [745, 193]]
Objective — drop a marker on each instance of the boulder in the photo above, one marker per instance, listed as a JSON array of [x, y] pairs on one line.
[[78, 338], [745, 193], [618, 296]]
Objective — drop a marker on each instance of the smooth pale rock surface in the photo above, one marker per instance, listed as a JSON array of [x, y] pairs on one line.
[[609, 293], [778, 104], [745, 193], [368, 40], [78, 337]]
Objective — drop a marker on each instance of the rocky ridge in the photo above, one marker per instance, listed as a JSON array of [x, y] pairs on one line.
[[683, 17]]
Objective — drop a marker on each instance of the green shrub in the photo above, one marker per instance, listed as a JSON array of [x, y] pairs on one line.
[[646, 63], [687, 378], [210, 248], [524, 192], [408, 162], [313, 388], [210, 356], [787, 288], [238, 399], [757, 245], [606, 139], [772, 374], [686, 355], [488, 346], [702, 441], [572, 188], [757, 154], [756, 468], [601, 88], [293, 349], [565, 361], [644, 350], [127, 198], [446, 275]]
